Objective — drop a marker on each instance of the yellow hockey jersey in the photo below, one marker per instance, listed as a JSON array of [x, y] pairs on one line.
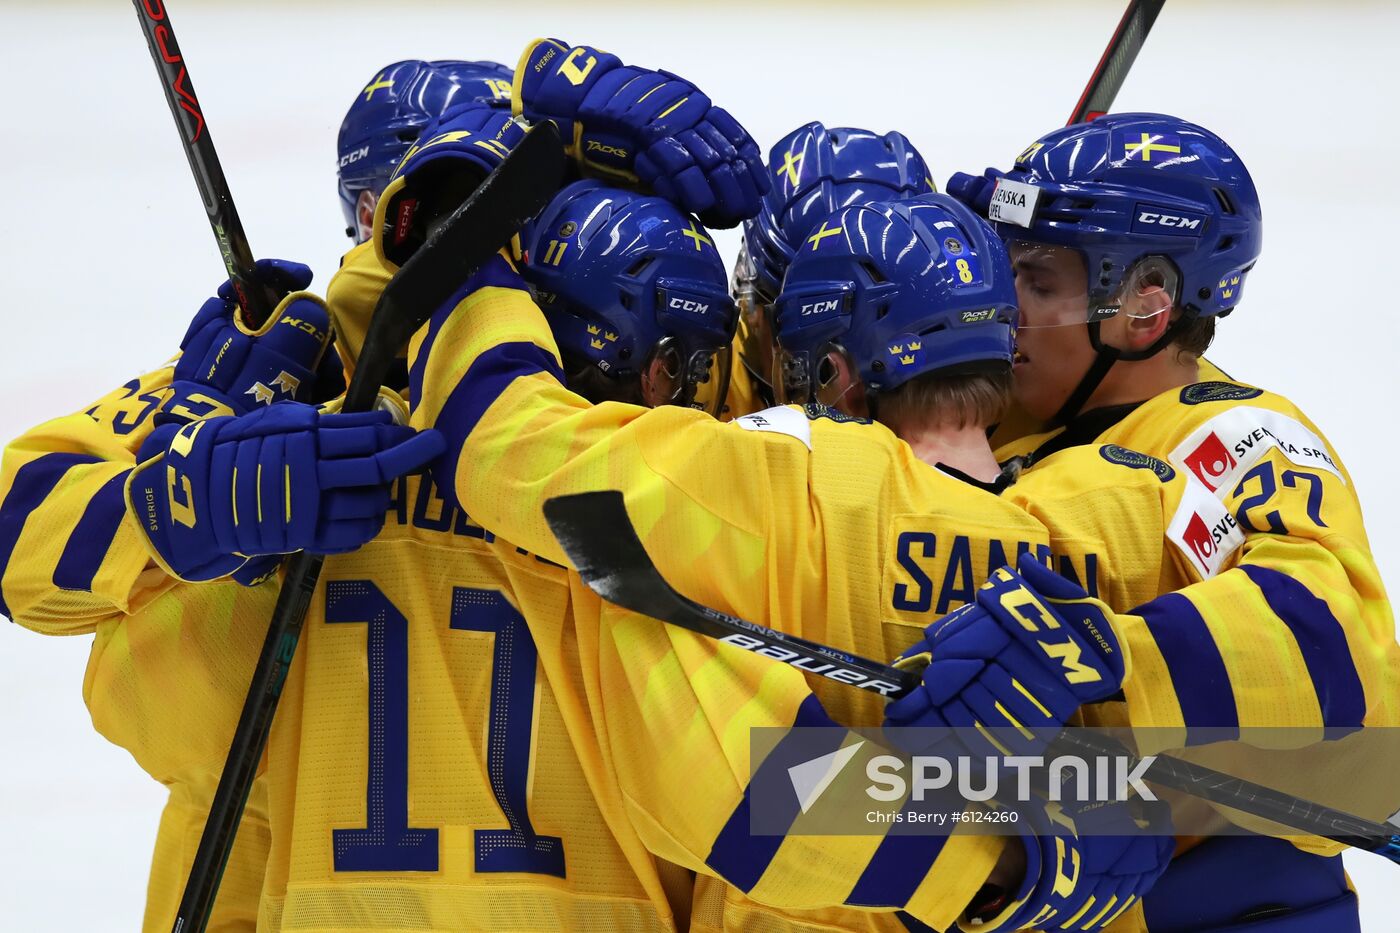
[[1291, 625], [169, 664], [804, 520]]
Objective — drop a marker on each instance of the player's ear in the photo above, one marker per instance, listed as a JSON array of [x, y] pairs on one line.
[[658, 383], [1148, 315], [840, 386]]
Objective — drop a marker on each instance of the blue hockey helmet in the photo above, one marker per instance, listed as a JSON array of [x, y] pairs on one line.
[[389, 114], [1129, 188], [633, 287], [814, 171], [902, 289]]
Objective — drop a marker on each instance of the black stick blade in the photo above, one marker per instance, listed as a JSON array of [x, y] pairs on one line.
[[596, 533]]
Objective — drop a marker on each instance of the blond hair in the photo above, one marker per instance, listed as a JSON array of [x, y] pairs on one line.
[[977, 399]]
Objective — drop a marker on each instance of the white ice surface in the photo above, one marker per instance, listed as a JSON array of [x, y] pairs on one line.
[[106, 252]]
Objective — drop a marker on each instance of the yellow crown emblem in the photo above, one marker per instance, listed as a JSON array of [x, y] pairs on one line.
[[915, 345], [907, 360], [896, 349], [594, 328], [596, 343], [611, 336]]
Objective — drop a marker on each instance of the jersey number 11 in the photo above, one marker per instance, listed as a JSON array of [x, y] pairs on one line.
[[388, 843]]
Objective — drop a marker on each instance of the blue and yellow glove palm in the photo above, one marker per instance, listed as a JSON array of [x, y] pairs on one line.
[[217, 492], [655, 128]]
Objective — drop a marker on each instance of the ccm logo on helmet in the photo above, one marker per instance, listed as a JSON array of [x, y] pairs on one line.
[[685, 304], [818, 307], [1170, 221], [355, 156]]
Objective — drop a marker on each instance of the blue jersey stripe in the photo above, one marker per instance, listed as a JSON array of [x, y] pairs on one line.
[[1322, 642], [496, 273], [1199, 678], [903, 859], [420, 362], [92, 536], [490, 374], [738, 856], [33, 483]]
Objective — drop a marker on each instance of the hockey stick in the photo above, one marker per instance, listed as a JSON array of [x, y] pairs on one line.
[[596, 533], [256, 301], [509, 196], [1118, 57]]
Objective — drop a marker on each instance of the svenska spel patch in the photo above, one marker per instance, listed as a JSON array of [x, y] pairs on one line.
[[1013, 202]]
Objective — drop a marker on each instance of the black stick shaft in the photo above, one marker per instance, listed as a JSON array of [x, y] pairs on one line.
[[1166, 770], [256, 302], [254, 726], [1112, 69]]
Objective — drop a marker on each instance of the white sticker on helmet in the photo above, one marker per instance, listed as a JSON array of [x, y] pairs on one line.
[[1013, 203]]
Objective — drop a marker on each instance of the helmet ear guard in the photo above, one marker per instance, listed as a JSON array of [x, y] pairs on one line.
[[1148, 290]]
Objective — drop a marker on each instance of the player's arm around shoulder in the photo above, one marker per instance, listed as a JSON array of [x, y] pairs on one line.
[[681, 717], [486, 372], [69, 553]]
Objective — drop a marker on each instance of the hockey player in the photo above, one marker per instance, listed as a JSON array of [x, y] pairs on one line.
[[164, 664], [840, 523], [813, 172], [387, 117], [132, 665], [190, 561], [1132, 236]]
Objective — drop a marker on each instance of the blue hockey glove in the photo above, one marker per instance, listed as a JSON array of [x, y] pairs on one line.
[[225, 368], [638, 125], [454, 153], [1086, 864], [1014, 665], [281, 479]]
